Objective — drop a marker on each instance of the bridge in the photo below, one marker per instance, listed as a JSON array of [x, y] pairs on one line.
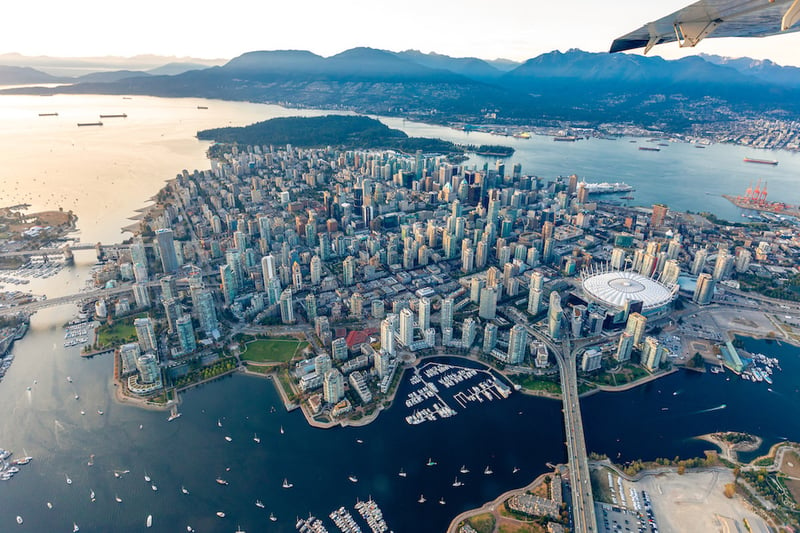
[[585, 519], [38, 305], [67, 250]]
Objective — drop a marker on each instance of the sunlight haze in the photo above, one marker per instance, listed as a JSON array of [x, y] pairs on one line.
[[501, 29]]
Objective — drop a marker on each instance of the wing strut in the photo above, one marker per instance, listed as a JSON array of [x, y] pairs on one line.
[[792, 16], [691, 33]]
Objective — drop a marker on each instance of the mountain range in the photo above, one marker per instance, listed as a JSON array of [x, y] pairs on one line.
[[575, 85]]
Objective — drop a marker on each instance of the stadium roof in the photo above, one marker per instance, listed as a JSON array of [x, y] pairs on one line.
[[614, 288]]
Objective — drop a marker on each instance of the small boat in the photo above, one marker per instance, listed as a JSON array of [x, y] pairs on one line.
[[487, 471], [19, 519], [282, 432], [99, 411], [220, 514], [83, 412], [69, 379], [457, 483], [353, 479], [91, 495], [77, 397], [441, 500], [140, 426], [189, 529], [259, 504], [75, 528], [272, 517], [359, 441], [221, 481], [153, 486], [421, 499], [69, 481], [256, 439], [430, 462], [402, 473], [219, 423], [184, 490], [90, 462], [173, 416], [464, 469], [286, 484], [149, 521], [227, 438], [28, 389], [146, 477], [119, 500], [49, 505]]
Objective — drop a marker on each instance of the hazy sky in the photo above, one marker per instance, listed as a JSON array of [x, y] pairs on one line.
[[515, 29]]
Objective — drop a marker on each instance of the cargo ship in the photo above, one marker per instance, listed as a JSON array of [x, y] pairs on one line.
[[649, 149], [565, 138], [760, 161], [606, 188], [122, 115], [90, 123]]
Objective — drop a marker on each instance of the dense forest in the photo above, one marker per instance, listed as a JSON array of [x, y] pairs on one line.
[[343, 131]]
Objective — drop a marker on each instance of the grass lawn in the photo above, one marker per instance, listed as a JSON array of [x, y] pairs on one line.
[[520, 528], [260, 369], [272, 350], [531, 382], [483, 523], [120, 332]]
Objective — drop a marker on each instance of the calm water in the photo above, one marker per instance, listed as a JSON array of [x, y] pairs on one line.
[[57, 164]]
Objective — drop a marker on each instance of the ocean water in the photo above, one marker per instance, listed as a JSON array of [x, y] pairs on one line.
[[104, 176]]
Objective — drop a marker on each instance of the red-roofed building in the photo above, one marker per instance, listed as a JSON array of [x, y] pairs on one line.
[[354, 338]]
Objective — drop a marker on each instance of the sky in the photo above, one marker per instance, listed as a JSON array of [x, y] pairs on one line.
[[513, 29]]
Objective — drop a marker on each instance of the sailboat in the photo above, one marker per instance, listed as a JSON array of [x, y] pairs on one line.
[[219, 423], [259, 504], [441, 501], [75, 528], [430, 462], [488, 471], [282, 432], [464, 469], [153, 486], [119, 500], [91, 495], [184, 490], [286, 484], [69, 481], [149, 522], [402, 473], [272, 517], [421, 499], [457, 483], [146, 477], [256, 439], [515, 470]]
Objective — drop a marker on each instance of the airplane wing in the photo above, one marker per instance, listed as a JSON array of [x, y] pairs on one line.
[[715, 18]]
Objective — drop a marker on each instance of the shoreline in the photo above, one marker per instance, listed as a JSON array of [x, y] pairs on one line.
[[730, 450], [492, 505]]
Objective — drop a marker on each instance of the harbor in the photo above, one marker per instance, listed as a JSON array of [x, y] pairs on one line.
[[468, 384]]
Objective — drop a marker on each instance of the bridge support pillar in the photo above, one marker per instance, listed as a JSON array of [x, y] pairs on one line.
[[69, 258]]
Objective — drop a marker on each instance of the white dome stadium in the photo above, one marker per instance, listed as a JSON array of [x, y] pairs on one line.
[[615, 288]]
